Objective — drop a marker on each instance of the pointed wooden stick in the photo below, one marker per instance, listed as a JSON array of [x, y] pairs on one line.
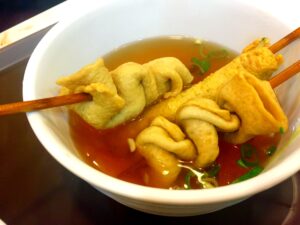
[[285, 74], [285, 41], [45, 103]]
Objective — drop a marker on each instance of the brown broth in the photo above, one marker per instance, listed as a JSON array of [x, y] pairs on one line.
[[108, 150], [183, 48]]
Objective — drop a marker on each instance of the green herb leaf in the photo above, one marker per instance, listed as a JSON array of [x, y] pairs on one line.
[[187, 179], [203, 65], [200, 179], [249, 155], [219, 54], [241, 163], [250, 174], [270, 151], [214, 170], [281, 130], [247, 150], [196, 61]]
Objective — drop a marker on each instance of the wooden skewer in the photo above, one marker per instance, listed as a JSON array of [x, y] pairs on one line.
[[285, 74], [285, 40], [45, 103]]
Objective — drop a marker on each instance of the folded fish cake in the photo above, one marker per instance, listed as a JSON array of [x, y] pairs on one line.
[[122, 94], [255, 102]]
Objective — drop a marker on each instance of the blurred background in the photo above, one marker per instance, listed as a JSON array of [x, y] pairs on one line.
[[13, 12]]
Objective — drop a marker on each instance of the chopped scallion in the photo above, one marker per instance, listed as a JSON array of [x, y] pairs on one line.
[[281, 130], [271, 150], [199, 179], [250, 174], [219, 54], [187, 179], [241, 163], [249, 155], [214, 170], [203, 65]]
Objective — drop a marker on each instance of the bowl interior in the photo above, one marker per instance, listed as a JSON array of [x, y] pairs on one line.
[[80, 40]]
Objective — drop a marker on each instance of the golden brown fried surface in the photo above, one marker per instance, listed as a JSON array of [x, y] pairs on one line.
[[201, 118], [259, 62], [255, 103], [162, 144], [234, 100], [122, 94], [97, 81]]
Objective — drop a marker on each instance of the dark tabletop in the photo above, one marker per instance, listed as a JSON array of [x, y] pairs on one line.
[[13, 12], [35, 189]]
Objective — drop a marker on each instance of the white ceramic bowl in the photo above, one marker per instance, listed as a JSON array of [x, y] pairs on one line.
[[80, 39]]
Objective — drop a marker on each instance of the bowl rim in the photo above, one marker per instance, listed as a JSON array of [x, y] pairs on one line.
[[130, 190]]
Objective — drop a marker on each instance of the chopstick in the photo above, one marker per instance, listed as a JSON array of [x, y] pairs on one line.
[[285, 74], [27, 106], [285, 41]]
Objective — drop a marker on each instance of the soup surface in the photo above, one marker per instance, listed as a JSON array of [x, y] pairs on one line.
[[108, 150]]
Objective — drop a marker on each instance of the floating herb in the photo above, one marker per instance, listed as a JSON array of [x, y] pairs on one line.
[[281, 130], [200, 176], [270, 151], [250, 174], [241, 163], [263, 42], [214, 170], [187, 179], [203, 63], [249, 155], [219, 54]]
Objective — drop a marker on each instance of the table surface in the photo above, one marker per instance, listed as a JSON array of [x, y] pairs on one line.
[[35, 189]]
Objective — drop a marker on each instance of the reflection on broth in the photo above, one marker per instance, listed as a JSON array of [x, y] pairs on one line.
[[186, 135]]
